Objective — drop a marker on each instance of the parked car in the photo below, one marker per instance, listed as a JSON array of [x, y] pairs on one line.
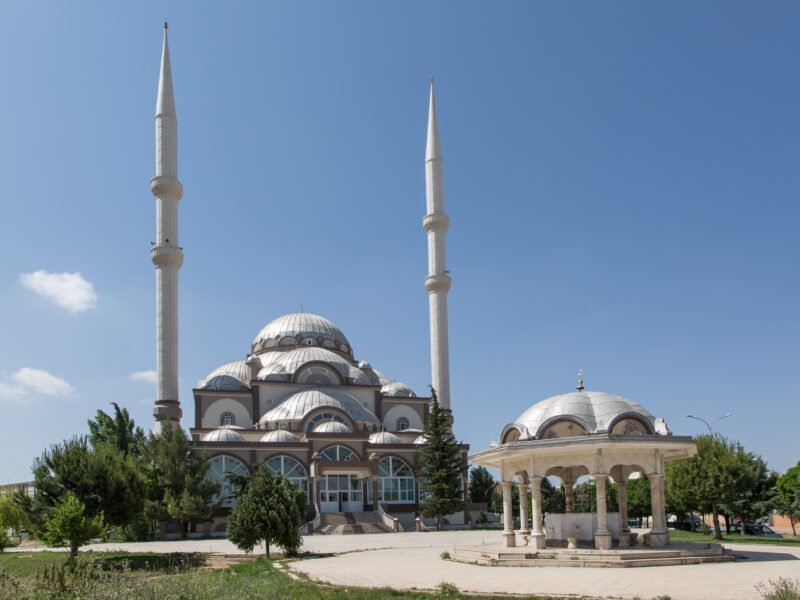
[[633, 522], [760, 530]]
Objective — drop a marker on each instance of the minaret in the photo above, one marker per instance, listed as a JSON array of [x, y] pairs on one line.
[[166, 254], [437, 282]]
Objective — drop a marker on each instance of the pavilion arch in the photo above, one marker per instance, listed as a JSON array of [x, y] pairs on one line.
[[625, 420], [511, 433], [567, 475], [562, 426]]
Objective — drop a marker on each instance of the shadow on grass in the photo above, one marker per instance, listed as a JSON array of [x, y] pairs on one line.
[[147, 562]]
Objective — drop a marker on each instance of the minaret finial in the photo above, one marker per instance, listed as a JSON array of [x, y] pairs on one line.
[[580, 386], [301, 309], [166, 25]]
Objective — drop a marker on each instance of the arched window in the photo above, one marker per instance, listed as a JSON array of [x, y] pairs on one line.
[[227, 418], [321, 417], [219, 468], [318, 375], [402, 424], [395, 481], [339, 453], [291, 469]]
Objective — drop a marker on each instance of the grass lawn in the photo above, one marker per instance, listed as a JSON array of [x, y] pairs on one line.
[[734, 538], [144, 576]]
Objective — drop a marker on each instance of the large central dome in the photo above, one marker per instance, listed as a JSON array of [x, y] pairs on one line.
[[301, 329]]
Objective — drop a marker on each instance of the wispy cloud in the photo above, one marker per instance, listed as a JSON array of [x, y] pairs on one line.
[[148, 376], [27, 383], [67, 290]]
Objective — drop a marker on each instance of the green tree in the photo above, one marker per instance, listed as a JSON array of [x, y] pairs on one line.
[[12, 516], [553, 498], [269, 508], [102, 478], [481, 485], [787, 495], [119, 431], [176, 483], [638, 496], [68, 525], [442, 465]]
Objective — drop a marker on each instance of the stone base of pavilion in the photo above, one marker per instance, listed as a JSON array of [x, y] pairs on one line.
[[641, 556]]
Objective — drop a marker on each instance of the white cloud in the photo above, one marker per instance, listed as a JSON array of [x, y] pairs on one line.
[[67, 290], [28, 382], [148, 376]]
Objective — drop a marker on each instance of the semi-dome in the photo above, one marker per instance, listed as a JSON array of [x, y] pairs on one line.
[[298, 329], [398, 390], [332, 427], [313, 365], [299, 404], [223, 434], [230, 377], [581, 413], [384, 437], [280, 436]]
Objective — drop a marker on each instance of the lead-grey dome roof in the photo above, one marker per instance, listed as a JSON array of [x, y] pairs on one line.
[[398, 390], [280, 436], [299, 404], [299, 328], [596, 411], [223, 434], [230, 377], [384, 437], [282, 366]]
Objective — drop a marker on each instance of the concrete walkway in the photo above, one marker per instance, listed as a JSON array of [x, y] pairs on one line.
[[412, 560]]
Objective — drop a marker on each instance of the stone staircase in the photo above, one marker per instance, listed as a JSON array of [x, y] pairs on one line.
[[345, 523]]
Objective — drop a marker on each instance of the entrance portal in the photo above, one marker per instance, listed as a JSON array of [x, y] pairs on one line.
[[340, 493]]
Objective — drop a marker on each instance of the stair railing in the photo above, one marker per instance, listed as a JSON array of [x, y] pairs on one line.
[[391, 522], [314, 524]]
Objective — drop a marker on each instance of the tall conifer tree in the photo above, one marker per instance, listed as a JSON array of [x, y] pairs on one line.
[[442, 466]]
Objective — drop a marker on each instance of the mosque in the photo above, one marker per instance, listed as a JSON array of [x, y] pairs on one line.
[[298, 399]]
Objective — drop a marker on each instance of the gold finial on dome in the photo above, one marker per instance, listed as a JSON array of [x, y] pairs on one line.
[[579, 387]]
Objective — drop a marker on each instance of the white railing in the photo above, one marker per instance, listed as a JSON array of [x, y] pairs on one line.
[[314, 524], [391, 522]]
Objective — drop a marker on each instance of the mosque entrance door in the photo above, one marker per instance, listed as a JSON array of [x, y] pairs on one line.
[[341, 493]]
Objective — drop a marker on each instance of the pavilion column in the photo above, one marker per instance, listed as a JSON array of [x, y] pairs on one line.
[[537, 535], [658, 533], [624, 530], [524, 532], [508, 515], [374, 484], [569, 499], [602, 536]]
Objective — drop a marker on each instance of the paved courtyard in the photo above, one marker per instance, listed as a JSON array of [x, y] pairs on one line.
[[411, 560]]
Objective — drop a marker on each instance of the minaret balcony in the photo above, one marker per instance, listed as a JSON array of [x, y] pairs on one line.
[[166, 186], [166, 256], [437, 283], [435, 222]]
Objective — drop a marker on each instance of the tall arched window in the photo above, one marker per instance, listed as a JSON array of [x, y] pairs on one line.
[[291, 469], [395, 480], [227, 418], [339, 453], [219, 468], [402, 424]]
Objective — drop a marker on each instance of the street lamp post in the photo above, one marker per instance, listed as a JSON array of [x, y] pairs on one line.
[[710, 431]]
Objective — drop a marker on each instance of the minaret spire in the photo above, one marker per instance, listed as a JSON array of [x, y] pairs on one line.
[[437, 283], [166, 254]]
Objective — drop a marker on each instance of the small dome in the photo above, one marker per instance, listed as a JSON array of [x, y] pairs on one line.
[[421, 440], [230, 377], [223, 434], [332, 427], [364, 365], [280, 436], [292, 329], [591, 412], [384, 437], [398, 390]]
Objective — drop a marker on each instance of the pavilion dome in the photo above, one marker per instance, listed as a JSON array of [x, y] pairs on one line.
[[223, 434], [384, 437], [398, 390], [583, 413], [301, 329], [280, 436]]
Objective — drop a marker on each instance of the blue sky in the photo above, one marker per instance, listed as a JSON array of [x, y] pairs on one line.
[[621, 178]]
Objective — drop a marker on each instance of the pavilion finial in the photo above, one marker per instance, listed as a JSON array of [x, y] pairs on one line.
[[580, 386]]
